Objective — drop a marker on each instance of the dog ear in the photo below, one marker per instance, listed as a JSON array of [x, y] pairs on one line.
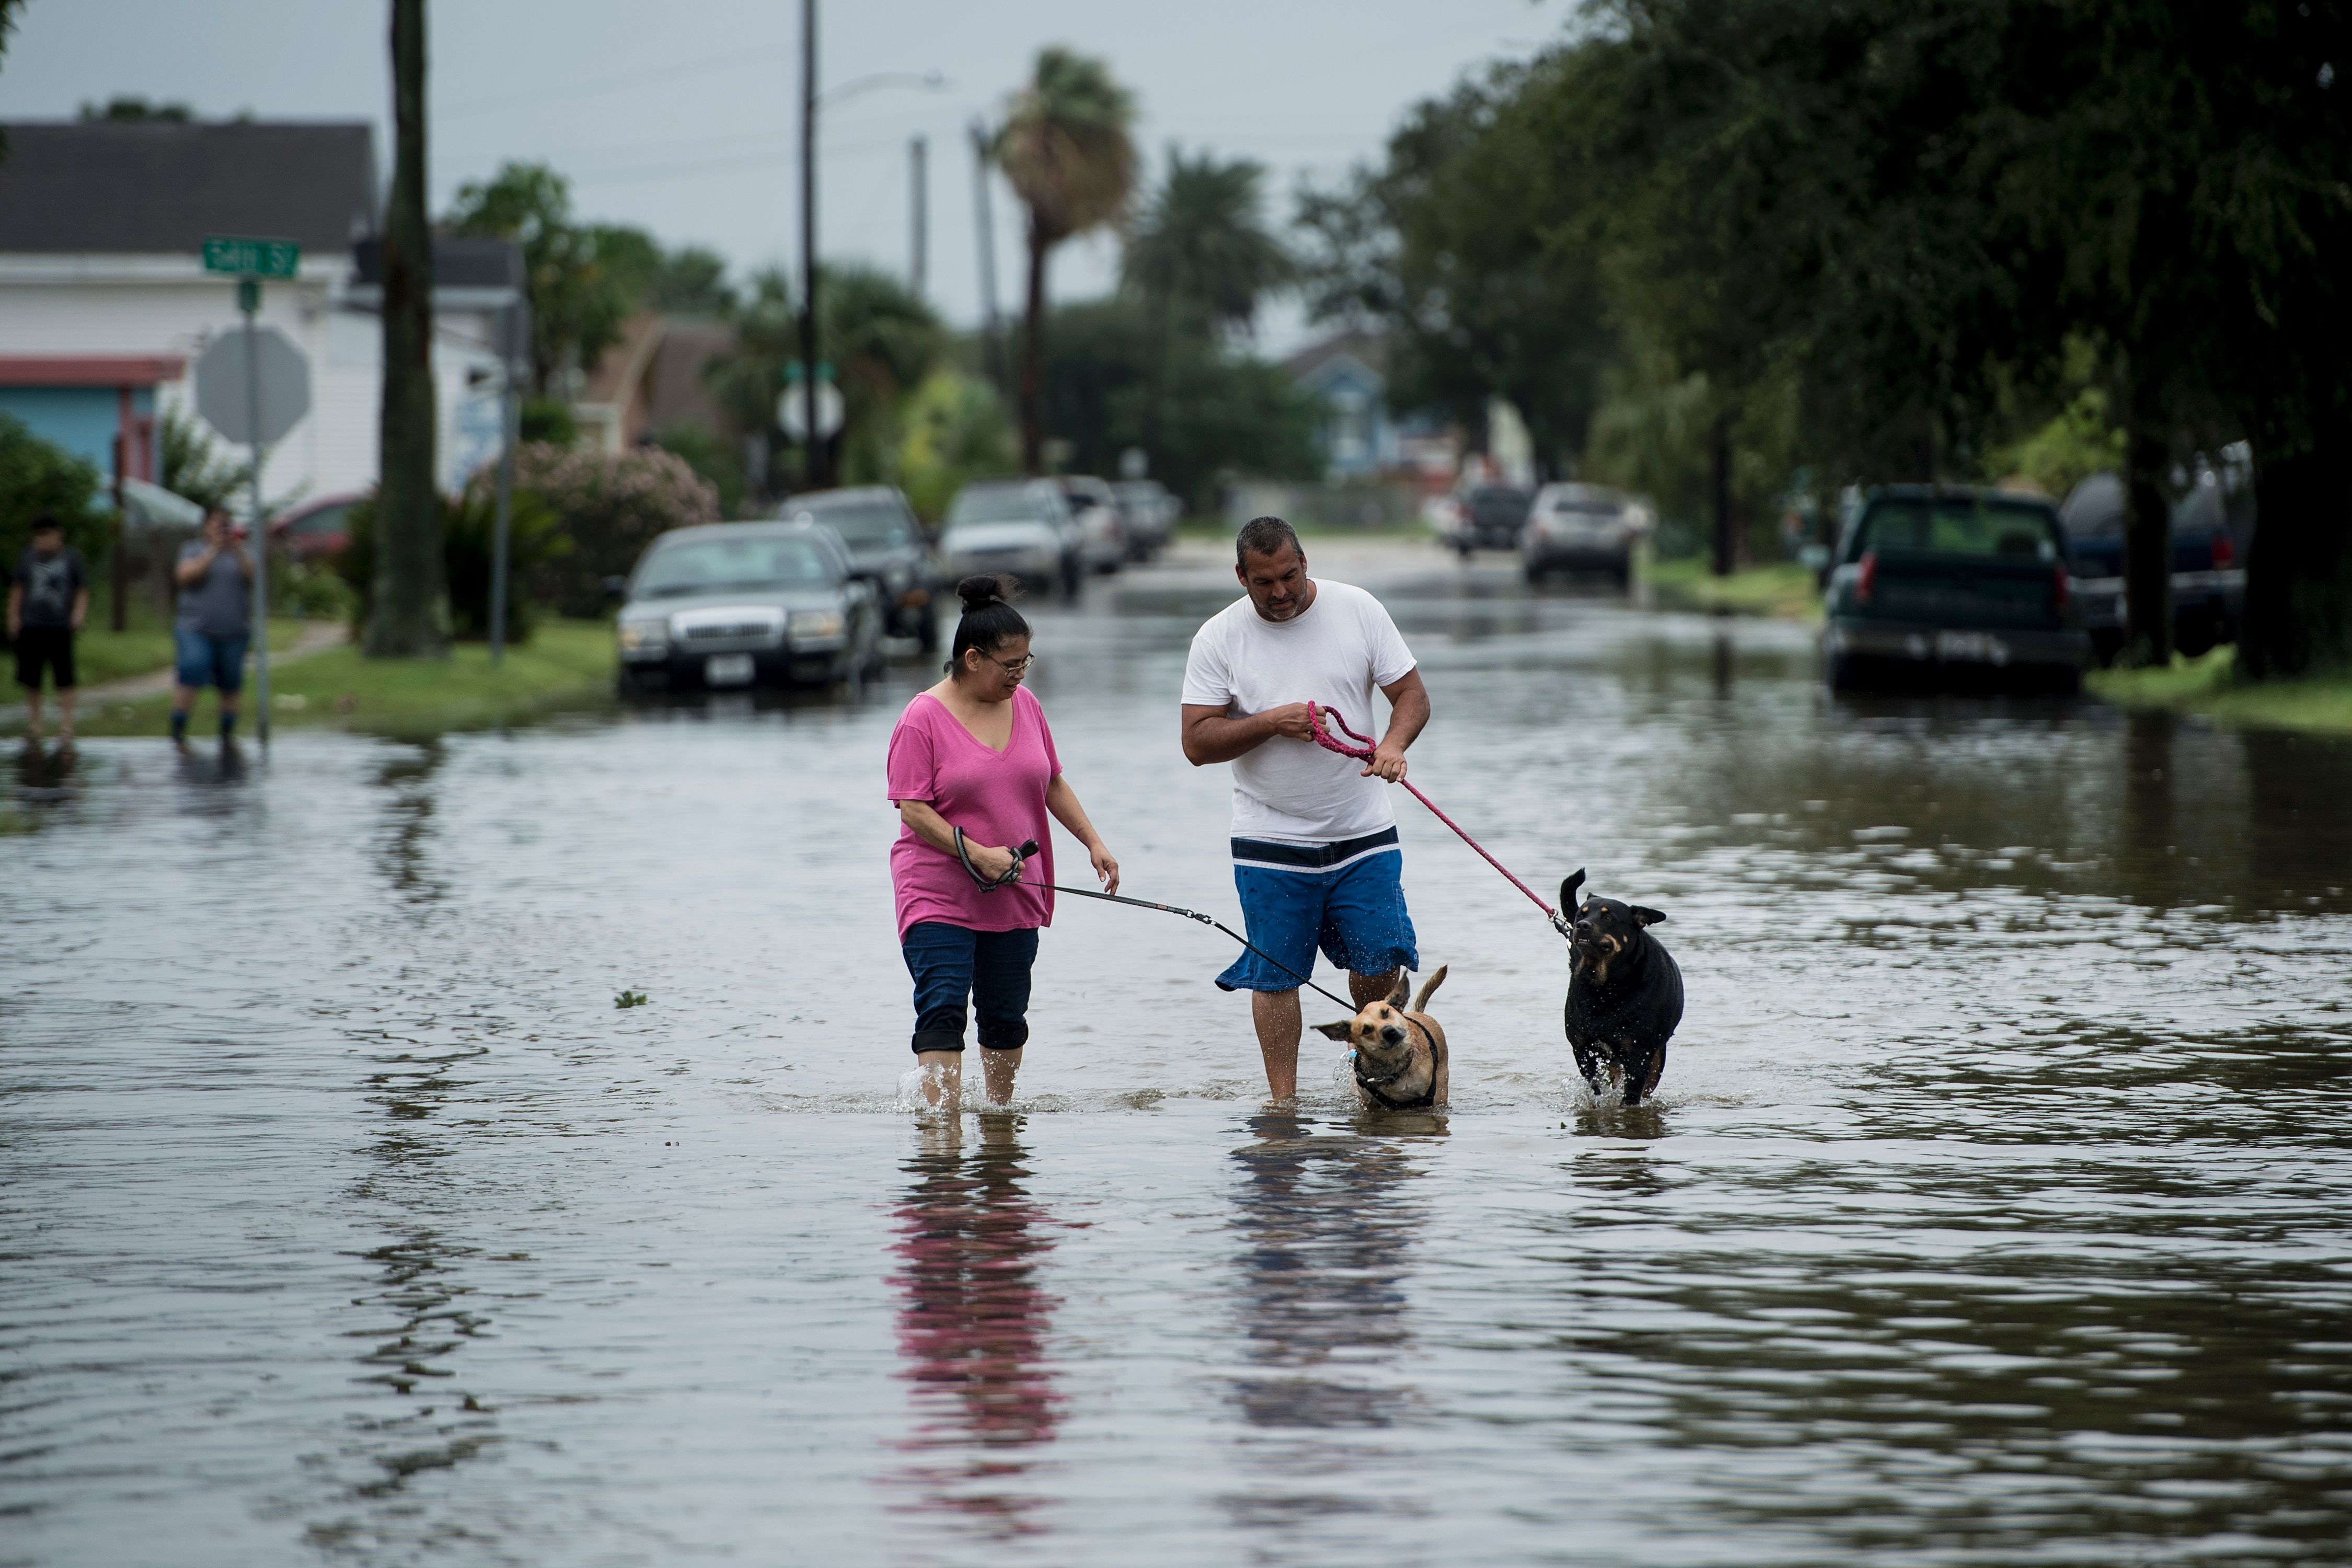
[[1403, 989], [1568, 892], [1642, 917], [1342, 1032]]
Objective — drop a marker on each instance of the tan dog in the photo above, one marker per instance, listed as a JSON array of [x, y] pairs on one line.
[[1401, 1063]]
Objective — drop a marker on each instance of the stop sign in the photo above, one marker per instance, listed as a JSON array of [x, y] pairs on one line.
[[229, 404]]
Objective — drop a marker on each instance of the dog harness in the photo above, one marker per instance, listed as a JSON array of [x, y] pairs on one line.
[[1375, 1087]]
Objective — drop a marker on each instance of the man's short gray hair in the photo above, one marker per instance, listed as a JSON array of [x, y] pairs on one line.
[[1265, 536]]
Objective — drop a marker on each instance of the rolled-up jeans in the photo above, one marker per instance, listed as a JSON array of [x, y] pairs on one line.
[[950, 963]]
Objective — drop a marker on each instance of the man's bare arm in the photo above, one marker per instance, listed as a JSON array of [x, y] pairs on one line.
[[1408, 714], [1213, 735]]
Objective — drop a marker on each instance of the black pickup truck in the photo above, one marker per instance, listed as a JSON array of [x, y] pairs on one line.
[[1953, 587]]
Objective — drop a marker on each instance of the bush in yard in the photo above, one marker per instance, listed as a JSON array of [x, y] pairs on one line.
[[609, 506], [469, 534], [36, 476]]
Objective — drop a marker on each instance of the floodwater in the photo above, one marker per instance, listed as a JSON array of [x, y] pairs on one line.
[[1993, 1210]]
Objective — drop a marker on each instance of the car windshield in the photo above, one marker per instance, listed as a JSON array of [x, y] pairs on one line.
[[863, 525], [995, 506], [325, 519], [1960, 527], [1507, 504], [1567, 506], [699, 565]]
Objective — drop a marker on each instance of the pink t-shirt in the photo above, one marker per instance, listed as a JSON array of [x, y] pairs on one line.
[[996, 798]]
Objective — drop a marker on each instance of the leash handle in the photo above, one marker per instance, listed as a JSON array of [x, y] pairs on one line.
[[1315, 715], [1012, 873]]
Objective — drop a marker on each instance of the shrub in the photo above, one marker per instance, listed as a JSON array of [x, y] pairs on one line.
[[468, 536], [36, 476], [609, 506]]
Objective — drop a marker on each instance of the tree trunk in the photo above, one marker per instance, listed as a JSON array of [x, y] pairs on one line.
[[1725, 538], [2147, 546], [411, 616], [1033, 360], [2298, 613]]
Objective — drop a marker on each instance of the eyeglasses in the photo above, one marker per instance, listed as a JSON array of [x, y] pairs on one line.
[[1015, 667]]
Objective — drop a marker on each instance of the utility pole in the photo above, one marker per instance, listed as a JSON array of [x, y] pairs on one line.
[[920, 187], [992, 343], [813, 465]]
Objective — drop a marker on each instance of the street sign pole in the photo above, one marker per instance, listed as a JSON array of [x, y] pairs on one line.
[[248, 299], [249, 261], [514, 349]]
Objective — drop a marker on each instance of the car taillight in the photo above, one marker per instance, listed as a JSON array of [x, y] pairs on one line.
[[1866, 582], [2225, 552], [2061, 591]]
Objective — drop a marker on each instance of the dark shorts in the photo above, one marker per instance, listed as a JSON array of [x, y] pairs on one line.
[[45, 647], [204, 660], [1347, 898], [990, 967]]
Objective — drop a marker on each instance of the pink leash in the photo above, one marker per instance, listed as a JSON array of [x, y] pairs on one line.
[[1362, 753]]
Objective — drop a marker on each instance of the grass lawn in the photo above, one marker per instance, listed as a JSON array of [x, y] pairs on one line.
[[565, 664], [144, 644], [2209, 685], [1784, 590]]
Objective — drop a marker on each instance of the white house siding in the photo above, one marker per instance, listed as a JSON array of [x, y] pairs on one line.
[[168, 305]]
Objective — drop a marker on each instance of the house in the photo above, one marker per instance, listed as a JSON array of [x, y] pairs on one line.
[[1344, 375], [104, 302], [650, 379]]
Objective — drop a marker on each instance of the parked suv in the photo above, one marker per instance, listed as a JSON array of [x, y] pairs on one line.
[[1490, 518], [1102, 532], [2208, 585], [885, 539], [738, 604], [1023, 527], [1579, 528]]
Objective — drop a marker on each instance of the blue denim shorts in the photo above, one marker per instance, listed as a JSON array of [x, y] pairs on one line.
[[201, 660], [1347, 898]]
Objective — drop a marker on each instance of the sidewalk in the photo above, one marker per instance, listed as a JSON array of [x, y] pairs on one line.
[[315, 638]]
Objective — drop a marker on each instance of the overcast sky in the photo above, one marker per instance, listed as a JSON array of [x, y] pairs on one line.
[[680, 116]]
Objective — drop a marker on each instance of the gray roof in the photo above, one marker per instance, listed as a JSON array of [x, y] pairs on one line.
[[149, 188]]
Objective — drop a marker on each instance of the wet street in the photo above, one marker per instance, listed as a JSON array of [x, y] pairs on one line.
[[1994, 1208]]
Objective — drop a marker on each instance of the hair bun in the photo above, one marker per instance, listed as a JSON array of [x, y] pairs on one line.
[[983, 589]]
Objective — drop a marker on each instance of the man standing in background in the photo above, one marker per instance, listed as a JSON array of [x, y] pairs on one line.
[[47, 605], [214, 623]]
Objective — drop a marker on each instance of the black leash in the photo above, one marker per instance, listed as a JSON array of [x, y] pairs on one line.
[[1011, 879]]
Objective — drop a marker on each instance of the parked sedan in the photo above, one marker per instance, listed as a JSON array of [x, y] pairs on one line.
[[2208, 586], [1959, 586], [1101, 531], [1149, 514], [885, 539], [1579, 528], [317, 529], [1022, 526], [738, 604]]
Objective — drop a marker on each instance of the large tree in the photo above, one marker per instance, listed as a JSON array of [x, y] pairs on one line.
[[410, 614], [578, 299], [1066, 149], [1200, 257]]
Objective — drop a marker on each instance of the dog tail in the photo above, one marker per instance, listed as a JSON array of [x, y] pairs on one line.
[[1429, 988]]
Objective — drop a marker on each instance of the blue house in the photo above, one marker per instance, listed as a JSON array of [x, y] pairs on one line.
[[1345, 376]]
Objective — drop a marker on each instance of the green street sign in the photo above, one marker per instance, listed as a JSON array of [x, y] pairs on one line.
[[251, 258]]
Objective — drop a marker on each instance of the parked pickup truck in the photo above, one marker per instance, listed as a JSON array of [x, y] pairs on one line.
[[2209, 575], [1958, 587]]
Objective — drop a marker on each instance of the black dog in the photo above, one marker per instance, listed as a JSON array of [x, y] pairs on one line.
[[1624, 993]]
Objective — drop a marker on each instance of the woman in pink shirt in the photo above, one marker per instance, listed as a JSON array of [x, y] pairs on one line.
[[973, 754]]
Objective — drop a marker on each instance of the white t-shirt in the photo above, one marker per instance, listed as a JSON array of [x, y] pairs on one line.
[[1338, 654]]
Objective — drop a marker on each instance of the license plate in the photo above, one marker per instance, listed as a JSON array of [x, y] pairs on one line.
[[1973, 648], [727, 670]]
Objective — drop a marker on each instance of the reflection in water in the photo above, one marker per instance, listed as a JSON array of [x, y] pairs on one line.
[[1325, 1225], [971, 1327], [409, 822]]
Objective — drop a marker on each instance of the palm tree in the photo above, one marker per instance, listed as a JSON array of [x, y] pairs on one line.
[[1066, 149], [1201, 248]]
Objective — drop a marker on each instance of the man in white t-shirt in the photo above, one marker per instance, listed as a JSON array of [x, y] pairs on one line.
[[1316, 858]]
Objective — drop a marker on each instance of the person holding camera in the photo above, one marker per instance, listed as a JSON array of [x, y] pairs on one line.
[[215, 624]]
